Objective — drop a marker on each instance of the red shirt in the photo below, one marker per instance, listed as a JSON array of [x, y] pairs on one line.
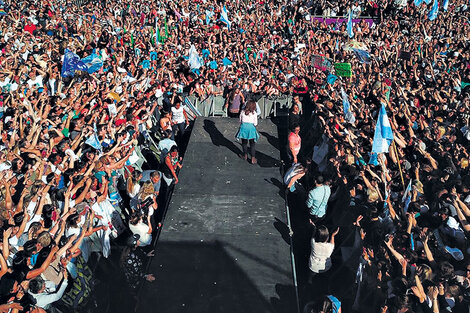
[[120, 121], [30, 28]]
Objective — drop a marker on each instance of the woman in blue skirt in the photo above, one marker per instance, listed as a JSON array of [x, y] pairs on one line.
[[247, 131]]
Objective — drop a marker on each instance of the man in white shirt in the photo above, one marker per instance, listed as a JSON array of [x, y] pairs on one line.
[[44, 299], [15, 84], [35, 80], [4, 80], [179, 118]]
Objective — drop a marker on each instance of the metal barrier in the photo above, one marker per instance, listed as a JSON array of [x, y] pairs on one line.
[[214, 105]]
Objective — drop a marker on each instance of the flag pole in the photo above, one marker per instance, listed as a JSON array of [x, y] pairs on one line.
[[399, 165]]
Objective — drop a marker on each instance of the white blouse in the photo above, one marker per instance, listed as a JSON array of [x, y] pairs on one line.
[[320, 257], [250, 118]]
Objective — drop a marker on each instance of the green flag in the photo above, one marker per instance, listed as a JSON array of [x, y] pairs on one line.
[[132, 40], [166, 30], [159, 37]]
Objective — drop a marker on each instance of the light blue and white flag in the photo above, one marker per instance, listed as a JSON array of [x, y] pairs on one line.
[[406, 199], [93, 63], [71, 64], [94, 142], [224, 17], [445, 6], [427, 1], [194, 60], [348, 116], [362, 55], [383, 136], [349, 26], [418, 2], [209, 15], [434, 11]]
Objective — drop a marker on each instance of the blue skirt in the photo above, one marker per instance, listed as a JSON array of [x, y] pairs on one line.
[[247, 131]]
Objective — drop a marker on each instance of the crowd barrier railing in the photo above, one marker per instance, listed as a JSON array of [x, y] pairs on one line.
[[214, 105]]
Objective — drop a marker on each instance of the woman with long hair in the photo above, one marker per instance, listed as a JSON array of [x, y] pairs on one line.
[[133, 188], [247, 131], [235, 102]]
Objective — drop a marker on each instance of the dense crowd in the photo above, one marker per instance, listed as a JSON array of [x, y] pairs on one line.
[[83, 152], [85, 148], [410, 205]]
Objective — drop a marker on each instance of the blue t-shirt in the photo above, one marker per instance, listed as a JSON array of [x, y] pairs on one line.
[[318, 199]]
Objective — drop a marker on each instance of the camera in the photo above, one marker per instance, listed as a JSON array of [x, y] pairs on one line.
[[145, 205]]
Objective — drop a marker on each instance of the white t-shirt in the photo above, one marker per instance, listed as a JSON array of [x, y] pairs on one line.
[[5, 82], [36, 82], [135, 191], [158, 92], [31, 207], [178, 115], [13, 86], [142, 230], [36, 218]]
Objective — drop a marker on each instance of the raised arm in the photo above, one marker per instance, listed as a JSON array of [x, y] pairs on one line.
[[397, 255], [461, 216], [428, 253], [38, 271], [463, 207], [4, 266], [332, 239]]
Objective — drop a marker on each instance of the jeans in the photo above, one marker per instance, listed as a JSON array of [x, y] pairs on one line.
[[179, 128]]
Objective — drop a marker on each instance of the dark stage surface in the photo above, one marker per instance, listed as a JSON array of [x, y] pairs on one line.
[[221, 248]]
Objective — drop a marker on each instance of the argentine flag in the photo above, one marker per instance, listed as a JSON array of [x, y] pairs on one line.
[[94, 142], [93, 63], [434, 10], [349, 26], [224, 17], [406, 199], [209, 15], [418, 2], [348, 116], [383, 136], [194, 59], [445, 6]]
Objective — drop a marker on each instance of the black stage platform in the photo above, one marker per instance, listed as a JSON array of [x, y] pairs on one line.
[[221, 248]]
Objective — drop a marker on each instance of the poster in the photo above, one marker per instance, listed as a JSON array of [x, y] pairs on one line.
[[320, 62], [343, 69]]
